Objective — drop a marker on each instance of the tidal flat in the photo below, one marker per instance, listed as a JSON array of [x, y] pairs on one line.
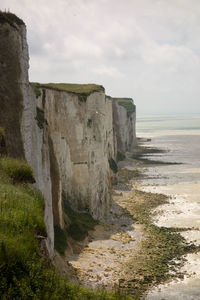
[[129, 251]]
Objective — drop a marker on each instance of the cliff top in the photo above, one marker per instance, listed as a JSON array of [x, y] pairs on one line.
[[127, 103], [85, 89], [12, 19]]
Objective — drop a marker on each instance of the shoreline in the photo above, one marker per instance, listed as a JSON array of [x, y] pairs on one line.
[[122, 245], [182, 212]]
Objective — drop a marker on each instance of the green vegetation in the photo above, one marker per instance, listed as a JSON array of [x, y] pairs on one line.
[[7, 17], [40, 118], [127, 103], [80, 223], [25, 272], [160, 251], [120, 156], [82, 90], [126, 174], [35, 87], [60, 240], [113, 165], [17, 170]]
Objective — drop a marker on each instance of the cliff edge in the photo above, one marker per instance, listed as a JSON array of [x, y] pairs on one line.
[[69, 133]]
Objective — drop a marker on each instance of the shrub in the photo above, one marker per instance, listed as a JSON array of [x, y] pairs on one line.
[[113, 165], [17, 170], [40, 118], [60, 239]]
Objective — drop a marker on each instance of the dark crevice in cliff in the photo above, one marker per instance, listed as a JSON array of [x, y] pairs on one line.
[[55, 183]]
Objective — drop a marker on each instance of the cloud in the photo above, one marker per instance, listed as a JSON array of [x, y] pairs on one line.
[[145, 49], [109, 71]]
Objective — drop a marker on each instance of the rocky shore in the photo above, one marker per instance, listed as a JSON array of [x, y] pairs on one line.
[[130, 251]]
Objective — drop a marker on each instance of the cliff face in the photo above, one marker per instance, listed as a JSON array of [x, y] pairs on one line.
[[24, 139], [82, 139], [124, 119], [69, 134]]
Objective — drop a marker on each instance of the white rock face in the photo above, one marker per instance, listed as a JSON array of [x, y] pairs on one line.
[[35, 140], [37, 154], [124, 127], [82, 139], [24, 138], [70, 153]]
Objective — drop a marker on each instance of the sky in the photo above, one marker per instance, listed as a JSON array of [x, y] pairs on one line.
[[148, 50]]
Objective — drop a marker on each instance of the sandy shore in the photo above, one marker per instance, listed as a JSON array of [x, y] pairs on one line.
[[101, 263], [105, 260]]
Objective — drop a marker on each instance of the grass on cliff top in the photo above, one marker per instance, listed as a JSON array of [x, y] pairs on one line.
[[25, 271], [8, 17], [126, 103], [35, 87], [85, 89]]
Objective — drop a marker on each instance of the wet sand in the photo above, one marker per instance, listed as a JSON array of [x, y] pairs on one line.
[[183, 211], [102, 262]]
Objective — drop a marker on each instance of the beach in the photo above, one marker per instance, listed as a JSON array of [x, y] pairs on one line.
[[158, 188]]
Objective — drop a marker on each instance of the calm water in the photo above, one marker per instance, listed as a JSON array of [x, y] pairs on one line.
[[155, 125], [180, 136]]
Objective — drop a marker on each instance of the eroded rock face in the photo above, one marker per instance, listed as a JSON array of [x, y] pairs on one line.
[[24, 139], [124, 119], [68, 140], [82, 138]]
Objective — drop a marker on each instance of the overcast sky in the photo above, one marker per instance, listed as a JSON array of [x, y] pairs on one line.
[[145, 49]]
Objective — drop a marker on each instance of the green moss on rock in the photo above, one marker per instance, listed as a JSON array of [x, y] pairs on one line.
[[113, 165], [60, 240], [120, 156], [40, 118], [127, 103], [80, 223], [35, 87]]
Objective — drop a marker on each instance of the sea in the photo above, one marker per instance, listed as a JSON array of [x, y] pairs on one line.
[[179, 135]]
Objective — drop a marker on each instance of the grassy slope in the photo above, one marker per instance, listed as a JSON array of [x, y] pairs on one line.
[[85, 89], [24, 272], [126, 103]]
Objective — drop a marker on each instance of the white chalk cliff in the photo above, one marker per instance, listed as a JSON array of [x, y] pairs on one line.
[[68, 137]]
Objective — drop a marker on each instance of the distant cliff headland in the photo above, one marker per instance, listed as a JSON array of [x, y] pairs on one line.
[[72, 136]]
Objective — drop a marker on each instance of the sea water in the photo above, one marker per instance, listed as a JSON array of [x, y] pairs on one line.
[[179, 135]]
